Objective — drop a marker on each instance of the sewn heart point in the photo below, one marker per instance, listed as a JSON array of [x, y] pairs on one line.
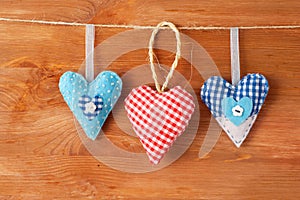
[[158, 118], [91, 102], [235, 107]]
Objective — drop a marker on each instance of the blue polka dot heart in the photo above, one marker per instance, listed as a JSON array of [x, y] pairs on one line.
[[91, 102], [235, 107]]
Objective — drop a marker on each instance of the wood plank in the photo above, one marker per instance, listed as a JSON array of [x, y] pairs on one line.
[[151, 12]]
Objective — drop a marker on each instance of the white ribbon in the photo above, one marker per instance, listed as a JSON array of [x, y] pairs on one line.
[[89, 52], [235, 55]]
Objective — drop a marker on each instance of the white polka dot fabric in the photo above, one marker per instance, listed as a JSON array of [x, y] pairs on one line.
[[91, 102]]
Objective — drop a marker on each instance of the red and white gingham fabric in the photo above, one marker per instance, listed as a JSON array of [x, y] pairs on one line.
[[158, 118]]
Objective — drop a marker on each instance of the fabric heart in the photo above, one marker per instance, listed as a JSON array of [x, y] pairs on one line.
[[91, 102], [226, 102], [158, 118]]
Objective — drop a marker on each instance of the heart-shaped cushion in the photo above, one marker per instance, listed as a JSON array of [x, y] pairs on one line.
[[216, 92], [158, 118], [91, 102]]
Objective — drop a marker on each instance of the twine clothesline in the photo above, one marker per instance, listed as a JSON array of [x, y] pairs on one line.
[[147, 27]]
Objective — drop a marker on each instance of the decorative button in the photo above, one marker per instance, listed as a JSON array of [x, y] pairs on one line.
[[90, 107], [237, 111]]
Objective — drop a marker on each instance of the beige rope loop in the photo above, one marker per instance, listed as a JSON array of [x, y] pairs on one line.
[[177, 56]]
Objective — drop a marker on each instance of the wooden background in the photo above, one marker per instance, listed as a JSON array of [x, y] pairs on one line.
[[41, 155]]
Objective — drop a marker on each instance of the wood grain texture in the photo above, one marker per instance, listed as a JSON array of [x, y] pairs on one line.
[[41, 154], [151, 12]]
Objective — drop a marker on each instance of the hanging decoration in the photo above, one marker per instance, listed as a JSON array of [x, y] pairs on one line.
[[158, 117], [91, 100], [236, 106]]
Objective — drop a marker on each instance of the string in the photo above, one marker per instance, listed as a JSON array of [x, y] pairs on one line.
[[89, 52], [147, 27], [177, 56], [235, 55]]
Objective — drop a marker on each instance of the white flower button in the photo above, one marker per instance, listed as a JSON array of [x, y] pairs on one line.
[[90, 107], [237, 111]]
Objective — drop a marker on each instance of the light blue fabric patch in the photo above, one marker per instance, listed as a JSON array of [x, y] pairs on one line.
[[237, 111], [91, 102]]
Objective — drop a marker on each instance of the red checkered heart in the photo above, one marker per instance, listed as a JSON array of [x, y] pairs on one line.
[[158, 118]]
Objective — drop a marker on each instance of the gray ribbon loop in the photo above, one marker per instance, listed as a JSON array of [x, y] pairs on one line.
[[89, 52], [235, 55]]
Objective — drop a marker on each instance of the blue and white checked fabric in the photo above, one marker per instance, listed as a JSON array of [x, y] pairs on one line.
[[254, 86], [97, 101]]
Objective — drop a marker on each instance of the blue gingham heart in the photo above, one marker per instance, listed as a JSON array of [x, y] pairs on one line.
[[215, 93], [91, 102]]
